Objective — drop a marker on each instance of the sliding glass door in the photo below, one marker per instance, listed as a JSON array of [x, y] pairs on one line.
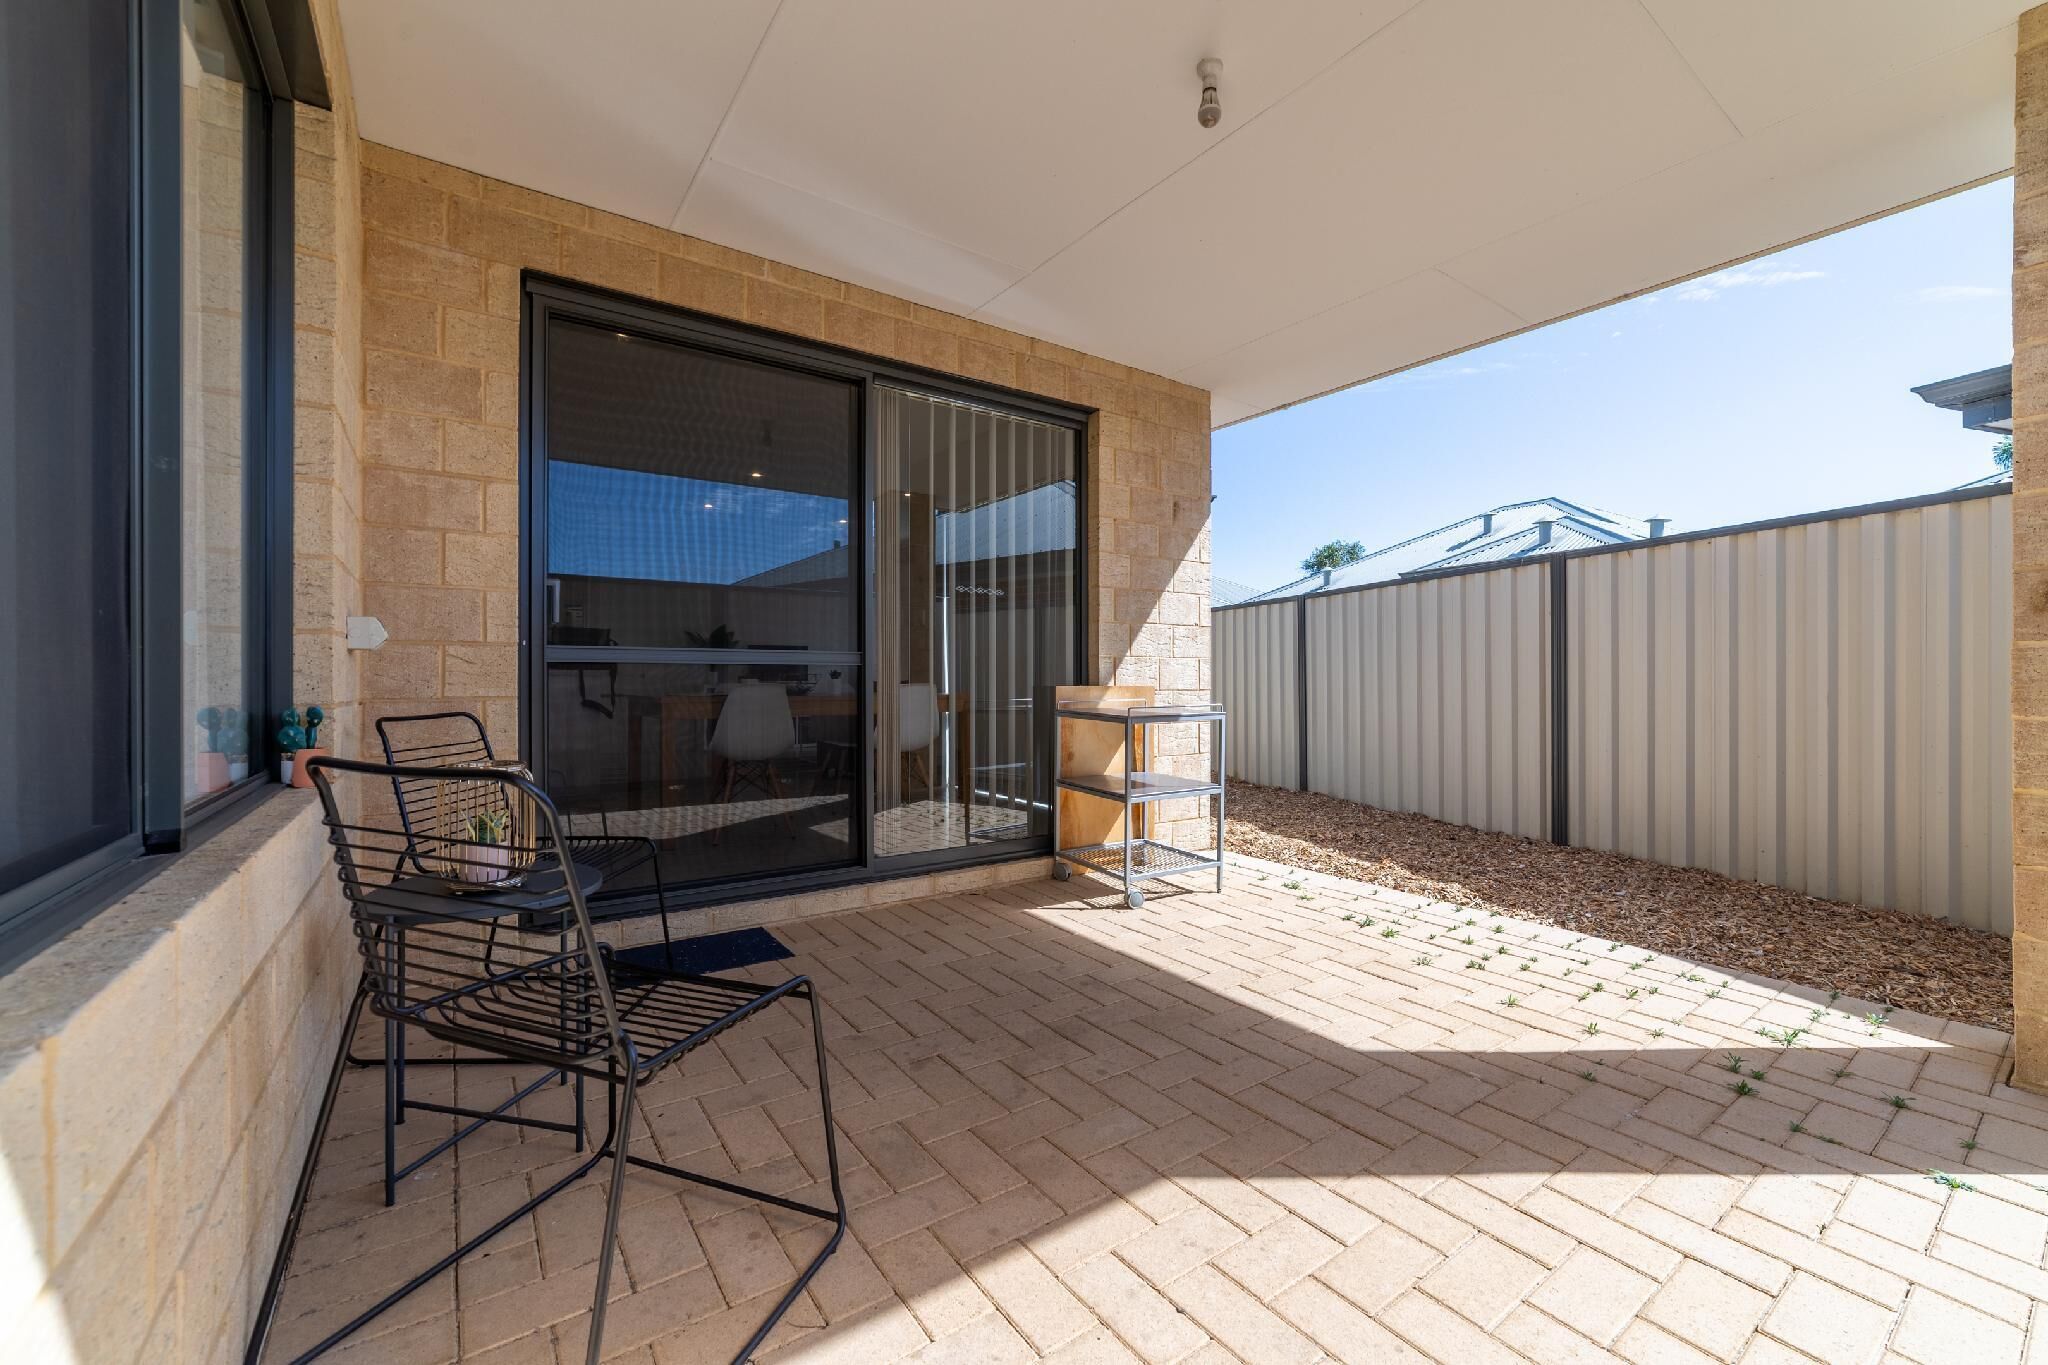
[[794, 616], [702, 624], [975, 517]]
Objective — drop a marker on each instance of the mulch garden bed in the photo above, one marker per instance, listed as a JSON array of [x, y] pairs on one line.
[[1903, 960]]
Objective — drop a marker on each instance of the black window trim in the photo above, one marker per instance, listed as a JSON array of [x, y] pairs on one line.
[[37, 913]]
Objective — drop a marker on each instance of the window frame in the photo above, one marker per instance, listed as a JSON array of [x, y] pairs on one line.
[[38, 912]]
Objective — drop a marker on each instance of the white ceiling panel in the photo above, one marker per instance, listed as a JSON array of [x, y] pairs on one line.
[[1011, 129], [1392, 179], [1849, 160], [1766, 60], [1424, 315], [608, 104], [734, 208], [1439, 135]]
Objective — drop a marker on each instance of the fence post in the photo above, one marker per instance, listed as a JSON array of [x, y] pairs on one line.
[[1301, 691], [1560, 708]]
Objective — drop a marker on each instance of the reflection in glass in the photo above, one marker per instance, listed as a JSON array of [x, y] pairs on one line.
[[695, 500], [733, 769], [974, 524], [217, 109]]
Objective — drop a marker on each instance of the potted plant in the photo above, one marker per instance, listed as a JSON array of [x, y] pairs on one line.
[[211, 771], [299, 742], [721, 636], [488, 859]]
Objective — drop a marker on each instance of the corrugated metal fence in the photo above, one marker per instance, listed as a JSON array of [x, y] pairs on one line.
[[1821, 703]]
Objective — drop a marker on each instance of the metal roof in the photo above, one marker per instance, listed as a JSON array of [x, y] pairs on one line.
[[1513, 530]]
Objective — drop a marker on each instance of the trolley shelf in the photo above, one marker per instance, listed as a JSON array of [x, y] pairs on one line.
[[1145, 857], [1149, 858], [1144, 787]]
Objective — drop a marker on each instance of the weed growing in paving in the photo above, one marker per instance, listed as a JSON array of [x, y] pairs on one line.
[[1734, 1062], [1656, 1033], [1587, 1075], [1798, 1127], [1291, 885], [1898, 1102], [1967, 1144], [1743, 1089], [1511, 1000], [1950, 1182], [1839, 1072], [1592, 1027], [1391, 931], [1525, 966], [1425, 959], [1632, 993]]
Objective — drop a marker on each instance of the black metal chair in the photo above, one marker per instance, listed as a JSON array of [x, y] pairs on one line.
[[449, 947]]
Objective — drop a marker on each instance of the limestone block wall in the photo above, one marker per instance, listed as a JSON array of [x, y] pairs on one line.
[[2030, 553], [443, 251]]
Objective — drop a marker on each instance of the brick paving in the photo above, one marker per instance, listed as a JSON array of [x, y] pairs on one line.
[[1306, 1119]]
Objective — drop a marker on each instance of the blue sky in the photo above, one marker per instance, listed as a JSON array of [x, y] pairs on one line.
[[1776, 387]]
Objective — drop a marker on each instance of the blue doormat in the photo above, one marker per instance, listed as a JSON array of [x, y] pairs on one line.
[[707, 955]]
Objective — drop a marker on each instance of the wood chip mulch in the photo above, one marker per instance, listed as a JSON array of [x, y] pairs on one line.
[[1907, 961]]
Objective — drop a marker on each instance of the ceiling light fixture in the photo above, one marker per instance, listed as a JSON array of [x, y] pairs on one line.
[[755, 475], [1210, 70]]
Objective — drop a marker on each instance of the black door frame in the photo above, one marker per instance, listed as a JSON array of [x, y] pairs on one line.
[[545, 298]]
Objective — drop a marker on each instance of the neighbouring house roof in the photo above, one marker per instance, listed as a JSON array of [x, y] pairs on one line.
[[1228, 592], [1516, 530], [1029, 523], [1984, 398]]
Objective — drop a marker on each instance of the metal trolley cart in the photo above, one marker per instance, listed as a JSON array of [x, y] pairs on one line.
[[1138, 857]]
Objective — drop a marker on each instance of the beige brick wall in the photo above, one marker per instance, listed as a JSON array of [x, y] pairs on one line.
[[443, 248], [2030, 553], [159, 1072]]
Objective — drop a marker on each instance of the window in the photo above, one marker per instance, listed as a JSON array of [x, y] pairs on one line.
[[145, 320], [221, 381], [66, 463]]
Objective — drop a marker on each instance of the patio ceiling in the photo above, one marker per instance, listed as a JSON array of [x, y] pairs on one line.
[[1393, 180]]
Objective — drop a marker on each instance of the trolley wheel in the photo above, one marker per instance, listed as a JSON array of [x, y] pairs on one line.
[[1134, 898], [1060, 871]]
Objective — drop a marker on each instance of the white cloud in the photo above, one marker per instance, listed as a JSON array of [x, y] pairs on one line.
[[1712, 286], [1956, 293]]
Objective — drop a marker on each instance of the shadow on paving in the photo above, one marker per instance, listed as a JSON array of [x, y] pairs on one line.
[[1017, 1066]]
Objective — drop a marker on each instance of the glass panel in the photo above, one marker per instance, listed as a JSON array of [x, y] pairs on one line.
[[64, 435], [695, 501], [975, 558], [733, 769], [219, 627]]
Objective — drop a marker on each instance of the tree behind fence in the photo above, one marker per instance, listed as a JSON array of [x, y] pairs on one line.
[[1822, 704]]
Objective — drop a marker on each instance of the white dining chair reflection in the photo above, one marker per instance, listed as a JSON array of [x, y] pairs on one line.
[[754, 729]]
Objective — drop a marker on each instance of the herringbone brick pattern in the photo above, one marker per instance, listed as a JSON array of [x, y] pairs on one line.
[[1304, 1119]]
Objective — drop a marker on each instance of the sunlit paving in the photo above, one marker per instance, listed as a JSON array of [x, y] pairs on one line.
[[1305, 1118]]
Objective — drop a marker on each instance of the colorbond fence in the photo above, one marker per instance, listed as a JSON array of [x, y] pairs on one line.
[[1821, 703]]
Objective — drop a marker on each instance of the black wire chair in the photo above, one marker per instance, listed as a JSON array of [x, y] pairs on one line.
[[450, 924]]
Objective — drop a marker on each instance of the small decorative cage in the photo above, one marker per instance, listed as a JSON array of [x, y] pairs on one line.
[[485, 833]]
